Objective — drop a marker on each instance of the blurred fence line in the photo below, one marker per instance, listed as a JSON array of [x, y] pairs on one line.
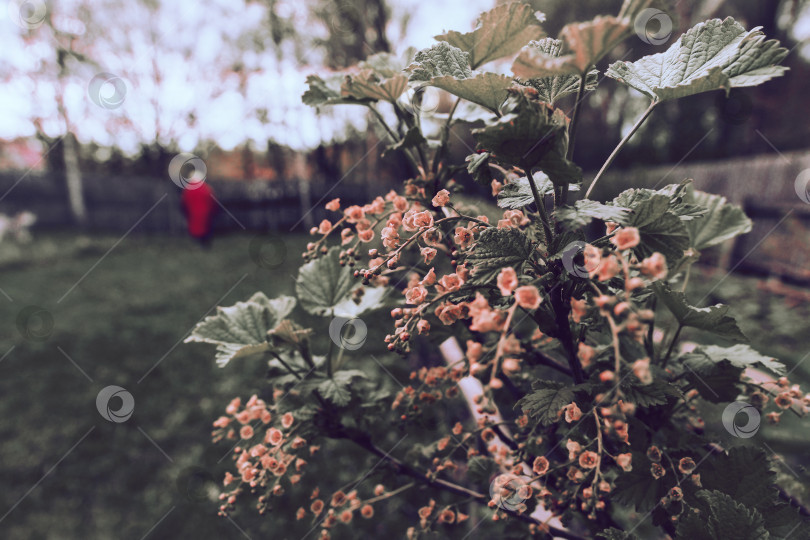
[[764, 185], [115, 204]]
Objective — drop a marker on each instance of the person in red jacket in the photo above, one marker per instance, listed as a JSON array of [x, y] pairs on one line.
[[199, 207]]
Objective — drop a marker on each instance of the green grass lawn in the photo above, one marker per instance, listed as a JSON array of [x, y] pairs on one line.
[[69, 473], [122, 324]]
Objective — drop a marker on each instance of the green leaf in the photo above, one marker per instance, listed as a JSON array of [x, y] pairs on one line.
[[485, 89], [518, 193], [367, 85], [478, 167], [440, 60], [545, 403], [499, 32], [743, 473], [372, 299], [553, 88], [721, 518], [616, 534], [638, 488], [496, 249], [530, 133], [711, 319], [327, 92], [412, 139], [712, 55], [720, 222], [584, 211], [481, 468], [322, 284], [742, 356], [586, 43], [240, 331], [658, 392], [715, 381], [337, 390], [659, 228]]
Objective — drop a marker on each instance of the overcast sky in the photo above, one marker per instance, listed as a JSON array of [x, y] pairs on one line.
[[190, 51], [191, 56]]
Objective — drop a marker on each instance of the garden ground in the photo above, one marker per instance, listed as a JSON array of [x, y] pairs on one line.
[[68, 473]]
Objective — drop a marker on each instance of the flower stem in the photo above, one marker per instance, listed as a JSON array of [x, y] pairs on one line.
[[620, 146]]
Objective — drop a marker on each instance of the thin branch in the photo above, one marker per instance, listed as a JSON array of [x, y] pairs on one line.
[[572, 132], [363, 440], [620, 146]]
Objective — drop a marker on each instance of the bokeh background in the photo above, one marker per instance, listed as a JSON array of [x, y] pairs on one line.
[[100, 283]]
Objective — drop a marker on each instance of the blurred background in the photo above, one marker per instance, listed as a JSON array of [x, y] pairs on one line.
[[102, 276]]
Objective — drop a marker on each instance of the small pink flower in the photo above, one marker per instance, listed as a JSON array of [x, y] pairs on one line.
[[423, 326], [528, 297], [626, 238], [625, 461], [366, 236], [333, 205], [416, 295], [346, 236], [507, 280], [608, 269], [428, 253], [429, 279], [540, 465], [496, 187], [450, 282], [588, 459], [354, 214], [441, 198], [325, 227], [423, 219], [572, 412], [233, 406], [400, 203], [687, 465], [654, 266], [463, 237], [641, 369], [657, 470], [287, 420], [274, 436]]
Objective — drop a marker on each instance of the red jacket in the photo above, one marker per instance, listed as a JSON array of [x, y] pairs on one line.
[[199, 205]]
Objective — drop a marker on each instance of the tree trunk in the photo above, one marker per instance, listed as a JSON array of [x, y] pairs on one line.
[[73, 175]]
